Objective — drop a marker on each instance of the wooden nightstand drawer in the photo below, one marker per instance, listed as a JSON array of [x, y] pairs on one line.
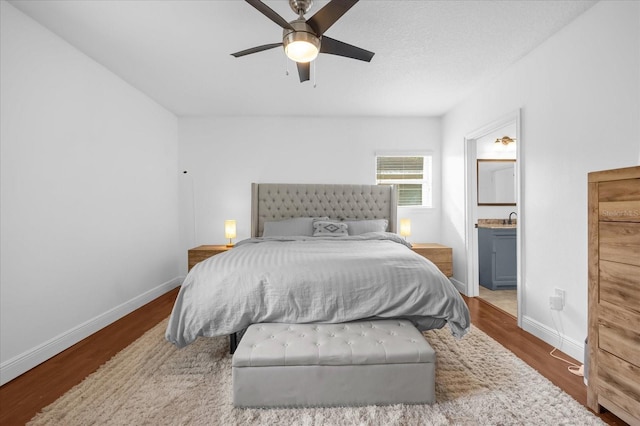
[[201, 253], [441, 255]]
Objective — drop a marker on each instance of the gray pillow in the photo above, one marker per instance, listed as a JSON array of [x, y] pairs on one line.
[[325, 228], [357, 227], [298, 226]]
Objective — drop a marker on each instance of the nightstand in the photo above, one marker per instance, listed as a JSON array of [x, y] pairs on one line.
[[441, 255], [201, 253]]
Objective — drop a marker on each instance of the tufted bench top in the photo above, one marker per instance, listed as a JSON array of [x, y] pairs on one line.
[[354, 343]]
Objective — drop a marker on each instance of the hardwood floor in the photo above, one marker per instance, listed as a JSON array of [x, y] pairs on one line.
[[503, 328], [24, 396]]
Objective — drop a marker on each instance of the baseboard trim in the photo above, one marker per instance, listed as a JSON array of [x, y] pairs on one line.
[[24, 362], [569, 346]]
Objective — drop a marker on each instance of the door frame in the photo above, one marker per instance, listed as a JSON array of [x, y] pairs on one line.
[[471, 207]]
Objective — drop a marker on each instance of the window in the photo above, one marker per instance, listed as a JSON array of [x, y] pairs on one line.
[[410, 173]]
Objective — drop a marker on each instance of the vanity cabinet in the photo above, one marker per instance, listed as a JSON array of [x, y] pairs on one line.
[[497, 258]]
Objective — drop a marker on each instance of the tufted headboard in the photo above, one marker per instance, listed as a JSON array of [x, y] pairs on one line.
[[278, 201]]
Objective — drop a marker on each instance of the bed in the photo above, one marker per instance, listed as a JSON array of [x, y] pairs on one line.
[[318, 254]]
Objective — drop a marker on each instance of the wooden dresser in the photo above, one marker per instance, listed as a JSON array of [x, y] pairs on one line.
[[614, 293]]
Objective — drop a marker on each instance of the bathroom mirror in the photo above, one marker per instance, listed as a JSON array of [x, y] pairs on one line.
[[496, 182]]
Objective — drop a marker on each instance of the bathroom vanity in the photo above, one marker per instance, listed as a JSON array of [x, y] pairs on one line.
[[497, 255]]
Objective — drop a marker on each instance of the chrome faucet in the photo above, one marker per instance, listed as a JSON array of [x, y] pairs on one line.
[[510, 222]]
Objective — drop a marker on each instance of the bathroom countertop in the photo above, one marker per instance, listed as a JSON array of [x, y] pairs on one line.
[[496, 223]]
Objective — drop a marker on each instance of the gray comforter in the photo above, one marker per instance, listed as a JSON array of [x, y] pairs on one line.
[[311, 279]]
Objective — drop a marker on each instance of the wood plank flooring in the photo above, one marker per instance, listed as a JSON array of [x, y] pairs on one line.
[[24, 396]]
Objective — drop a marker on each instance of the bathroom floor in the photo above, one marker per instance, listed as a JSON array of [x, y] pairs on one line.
[[503, 299]]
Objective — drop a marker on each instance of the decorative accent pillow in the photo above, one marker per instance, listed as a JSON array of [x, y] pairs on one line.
[[298, 226], [357, 227], [325, 228]]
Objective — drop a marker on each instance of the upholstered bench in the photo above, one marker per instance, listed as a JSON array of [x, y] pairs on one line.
[[357, 363]]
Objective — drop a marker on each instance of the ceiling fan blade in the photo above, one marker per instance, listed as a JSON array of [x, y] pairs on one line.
[[328, 15], [304, 71], [336, 47], [270, 13], [256, 49]]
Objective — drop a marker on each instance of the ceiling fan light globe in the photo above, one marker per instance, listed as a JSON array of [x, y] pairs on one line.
[[301, 51], [300, 45]]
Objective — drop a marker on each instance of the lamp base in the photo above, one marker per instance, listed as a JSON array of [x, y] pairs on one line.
[[229, 245]]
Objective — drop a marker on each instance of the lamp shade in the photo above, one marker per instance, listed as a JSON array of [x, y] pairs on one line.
[[405, 227], [229, 229]]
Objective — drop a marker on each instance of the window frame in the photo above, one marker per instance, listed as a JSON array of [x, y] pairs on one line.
[[426, 181]]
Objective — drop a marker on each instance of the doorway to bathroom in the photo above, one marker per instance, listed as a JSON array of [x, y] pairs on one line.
[[493, 220]]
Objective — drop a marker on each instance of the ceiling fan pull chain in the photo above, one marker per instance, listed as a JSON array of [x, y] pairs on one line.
[[314, 74], [286, 65]]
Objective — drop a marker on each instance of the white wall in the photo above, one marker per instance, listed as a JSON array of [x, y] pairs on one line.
[[224, 155], [89, 224], [580, 99]]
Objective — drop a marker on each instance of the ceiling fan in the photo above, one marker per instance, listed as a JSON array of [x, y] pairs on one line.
[[304, 39]]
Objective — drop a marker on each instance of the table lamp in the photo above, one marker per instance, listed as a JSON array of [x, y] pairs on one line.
[[230, 231], [405, 227]]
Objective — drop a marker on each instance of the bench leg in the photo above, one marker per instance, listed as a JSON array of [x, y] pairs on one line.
[[234, 340]]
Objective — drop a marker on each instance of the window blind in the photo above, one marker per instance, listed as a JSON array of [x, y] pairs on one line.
[[411, 174]]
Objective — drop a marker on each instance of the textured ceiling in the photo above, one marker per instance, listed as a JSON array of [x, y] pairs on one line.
[[429, 54]]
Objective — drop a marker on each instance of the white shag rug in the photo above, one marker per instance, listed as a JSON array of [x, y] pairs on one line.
[[478, 382]]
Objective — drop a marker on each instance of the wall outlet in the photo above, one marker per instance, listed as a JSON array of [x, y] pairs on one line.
[[556, 302], [560, 293]]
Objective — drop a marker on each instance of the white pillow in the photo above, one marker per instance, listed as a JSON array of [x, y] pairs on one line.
[[324, 228], [357, 227], [298, 226]]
